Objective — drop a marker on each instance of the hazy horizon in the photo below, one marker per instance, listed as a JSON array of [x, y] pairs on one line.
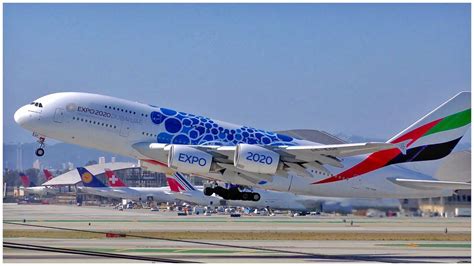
[[359, 69]]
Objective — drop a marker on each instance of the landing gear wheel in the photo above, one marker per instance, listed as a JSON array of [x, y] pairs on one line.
[[246, 196], [208, 191], [255, 196], [39, 152], [234, 193], [225, 195]]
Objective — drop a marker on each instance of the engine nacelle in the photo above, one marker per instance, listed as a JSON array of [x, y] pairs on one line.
[[256, 159], [187, 159]]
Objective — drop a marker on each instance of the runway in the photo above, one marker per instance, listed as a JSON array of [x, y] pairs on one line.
[[250, 247]]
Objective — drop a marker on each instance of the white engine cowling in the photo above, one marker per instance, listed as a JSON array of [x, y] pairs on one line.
[[189, 160], [256, 159]]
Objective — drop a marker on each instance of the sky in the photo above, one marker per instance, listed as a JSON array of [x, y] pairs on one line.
[[361, 69]]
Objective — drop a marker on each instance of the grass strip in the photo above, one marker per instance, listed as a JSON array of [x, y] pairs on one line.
[[255, 235]]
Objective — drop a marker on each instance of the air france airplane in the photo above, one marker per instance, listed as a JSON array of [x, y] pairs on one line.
[[169, 141], [275, 200]]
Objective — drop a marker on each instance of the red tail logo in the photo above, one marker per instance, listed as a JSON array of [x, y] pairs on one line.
[[174, 185], [25, 180], [47, 174]]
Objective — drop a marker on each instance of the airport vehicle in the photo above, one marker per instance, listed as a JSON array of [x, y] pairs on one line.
[[93, 185], [462, 212], [31, 188], [166, 140]]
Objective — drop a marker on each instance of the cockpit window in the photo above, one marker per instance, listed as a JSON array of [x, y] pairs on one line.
[[37, 104]]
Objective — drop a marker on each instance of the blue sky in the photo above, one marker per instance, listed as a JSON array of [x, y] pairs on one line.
[[364, 69]]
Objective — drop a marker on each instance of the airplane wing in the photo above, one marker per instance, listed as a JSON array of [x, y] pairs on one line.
[[283, 158], [430, 184]]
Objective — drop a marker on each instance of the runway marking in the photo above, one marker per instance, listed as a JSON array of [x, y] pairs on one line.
[[429, 245], [167, 250], [293, 254], [30, 247]]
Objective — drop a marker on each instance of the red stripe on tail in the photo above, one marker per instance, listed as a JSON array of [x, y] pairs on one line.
[[174, 185], [379, 159]]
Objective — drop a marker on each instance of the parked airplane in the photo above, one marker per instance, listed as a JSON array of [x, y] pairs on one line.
[[275, 200], [31, 188], [93, 185], [167, 141], [269, 199]]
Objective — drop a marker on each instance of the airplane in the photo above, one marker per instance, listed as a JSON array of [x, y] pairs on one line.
[[118, 189], [31, 188], [275, 200], [183, 190], [165, 140]]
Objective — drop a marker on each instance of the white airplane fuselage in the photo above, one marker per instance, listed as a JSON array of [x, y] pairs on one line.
[[114, 125], [160, 194], [40, 190]]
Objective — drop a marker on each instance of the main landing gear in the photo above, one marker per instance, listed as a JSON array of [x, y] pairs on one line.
[[40, 151], [231, 194]]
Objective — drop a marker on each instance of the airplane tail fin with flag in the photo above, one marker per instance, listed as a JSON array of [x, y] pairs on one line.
[[47, 174], [88, 179], [178, 183], [113, 180]]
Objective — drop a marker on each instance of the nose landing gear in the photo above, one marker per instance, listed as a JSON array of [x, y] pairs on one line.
[[40, 151]]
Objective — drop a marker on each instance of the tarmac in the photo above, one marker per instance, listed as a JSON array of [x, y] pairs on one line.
[[256, 239]]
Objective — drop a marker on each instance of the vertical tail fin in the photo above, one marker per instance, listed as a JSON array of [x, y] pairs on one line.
[[25, 181], [436, 134], [88, 179], [113, 180], [174, 186], [178, 183], [47, 174]]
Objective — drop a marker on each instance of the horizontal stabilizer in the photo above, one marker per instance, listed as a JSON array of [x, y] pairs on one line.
[[430, 184]]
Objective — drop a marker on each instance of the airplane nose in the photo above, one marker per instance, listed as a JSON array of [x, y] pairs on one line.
[[23, 117], [20, 116]]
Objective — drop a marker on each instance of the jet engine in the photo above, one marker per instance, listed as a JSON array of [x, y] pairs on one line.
[[187, 159], [256, 159]]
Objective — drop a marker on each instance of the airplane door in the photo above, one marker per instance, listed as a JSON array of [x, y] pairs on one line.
[[59, 115], [125, 129]]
